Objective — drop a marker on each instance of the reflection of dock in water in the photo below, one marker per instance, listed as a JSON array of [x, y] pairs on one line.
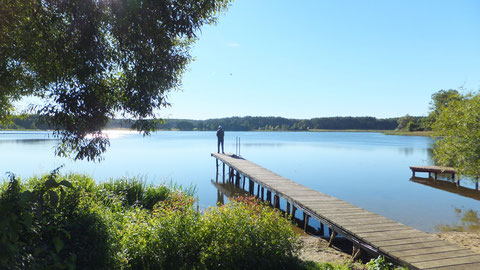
[[448, 186], [229, 190]]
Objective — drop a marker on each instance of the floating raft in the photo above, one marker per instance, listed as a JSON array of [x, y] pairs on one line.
[[369, 232]]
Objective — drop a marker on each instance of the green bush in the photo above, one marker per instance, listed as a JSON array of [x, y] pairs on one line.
[[246, 234], [134, 192], [70, 222], [165, 238], [44, 227], [380, 263]]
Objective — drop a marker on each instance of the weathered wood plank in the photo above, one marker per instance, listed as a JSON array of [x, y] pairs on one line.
[[428, 241], [465, 266], [437, 256], [448, 262], [408, 251], [403, 233], [384, 236], [379, 228]]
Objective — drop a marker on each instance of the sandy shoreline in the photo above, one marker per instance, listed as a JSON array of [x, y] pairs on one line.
[[315, 248], [470, 240]]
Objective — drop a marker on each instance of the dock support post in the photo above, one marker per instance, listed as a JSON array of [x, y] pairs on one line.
[[224, 173], [356, 252], [216, 177], [476, 184], [288, 208], [243, 184], [230, 174], [258, 191], [332, 237], [276, 202], [429, 174], [294, 209], [269, 197], [435, 176], [237, 179], [263, 191], [322, 229], [306, 218], [220, 198]]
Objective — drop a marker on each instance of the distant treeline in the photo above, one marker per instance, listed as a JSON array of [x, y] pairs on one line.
[[31, 121], [248, 123]]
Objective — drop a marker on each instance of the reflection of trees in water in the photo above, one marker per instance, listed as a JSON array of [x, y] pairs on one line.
[[430, 157], [409, 151], [26, 141], [469, 222]]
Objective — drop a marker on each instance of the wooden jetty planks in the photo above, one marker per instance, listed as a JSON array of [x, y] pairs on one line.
[[407, 246]]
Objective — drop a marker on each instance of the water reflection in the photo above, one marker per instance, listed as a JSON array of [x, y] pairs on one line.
[[407, 151], [227, 190], [448, 186], [468, 222], [26, 141], [366, 169], [410, 151]]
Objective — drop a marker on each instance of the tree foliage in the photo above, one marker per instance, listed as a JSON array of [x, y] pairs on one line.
[[440, 100], [89, 60], [458, 128], [250, 123], [411, 123]]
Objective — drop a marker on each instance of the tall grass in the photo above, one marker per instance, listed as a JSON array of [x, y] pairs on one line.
[[135, 192]]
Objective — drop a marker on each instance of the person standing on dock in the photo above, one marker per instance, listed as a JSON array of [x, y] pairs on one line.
[[220, 135]]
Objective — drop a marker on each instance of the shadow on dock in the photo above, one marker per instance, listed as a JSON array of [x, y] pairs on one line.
[[448, 186]]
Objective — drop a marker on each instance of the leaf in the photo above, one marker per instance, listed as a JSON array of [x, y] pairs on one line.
[[38, 250], [58, 243], [25, 197], [50, 183], [62, 195], [66, 184], [27, 219], [53, 198]]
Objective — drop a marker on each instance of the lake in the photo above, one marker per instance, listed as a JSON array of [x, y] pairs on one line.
[[370, 170]]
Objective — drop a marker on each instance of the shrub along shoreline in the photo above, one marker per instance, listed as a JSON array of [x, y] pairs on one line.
[[72, 222]]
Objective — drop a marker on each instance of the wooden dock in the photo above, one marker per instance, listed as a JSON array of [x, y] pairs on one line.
[[433, 169], [368, 232]]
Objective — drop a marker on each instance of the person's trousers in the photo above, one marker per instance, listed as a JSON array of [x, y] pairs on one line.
[[220, 142]]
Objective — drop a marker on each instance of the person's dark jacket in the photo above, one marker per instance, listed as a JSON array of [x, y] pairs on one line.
[[220, 134]]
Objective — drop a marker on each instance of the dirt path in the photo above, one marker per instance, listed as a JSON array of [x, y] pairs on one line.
[[315, 249]]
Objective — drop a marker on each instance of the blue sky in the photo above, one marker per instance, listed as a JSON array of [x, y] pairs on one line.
[[305, 59]]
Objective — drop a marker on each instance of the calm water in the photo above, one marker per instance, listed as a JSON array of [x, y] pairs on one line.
[[370, 170]]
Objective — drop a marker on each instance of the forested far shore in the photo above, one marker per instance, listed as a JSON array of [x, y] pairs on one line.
[[248, 123]]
